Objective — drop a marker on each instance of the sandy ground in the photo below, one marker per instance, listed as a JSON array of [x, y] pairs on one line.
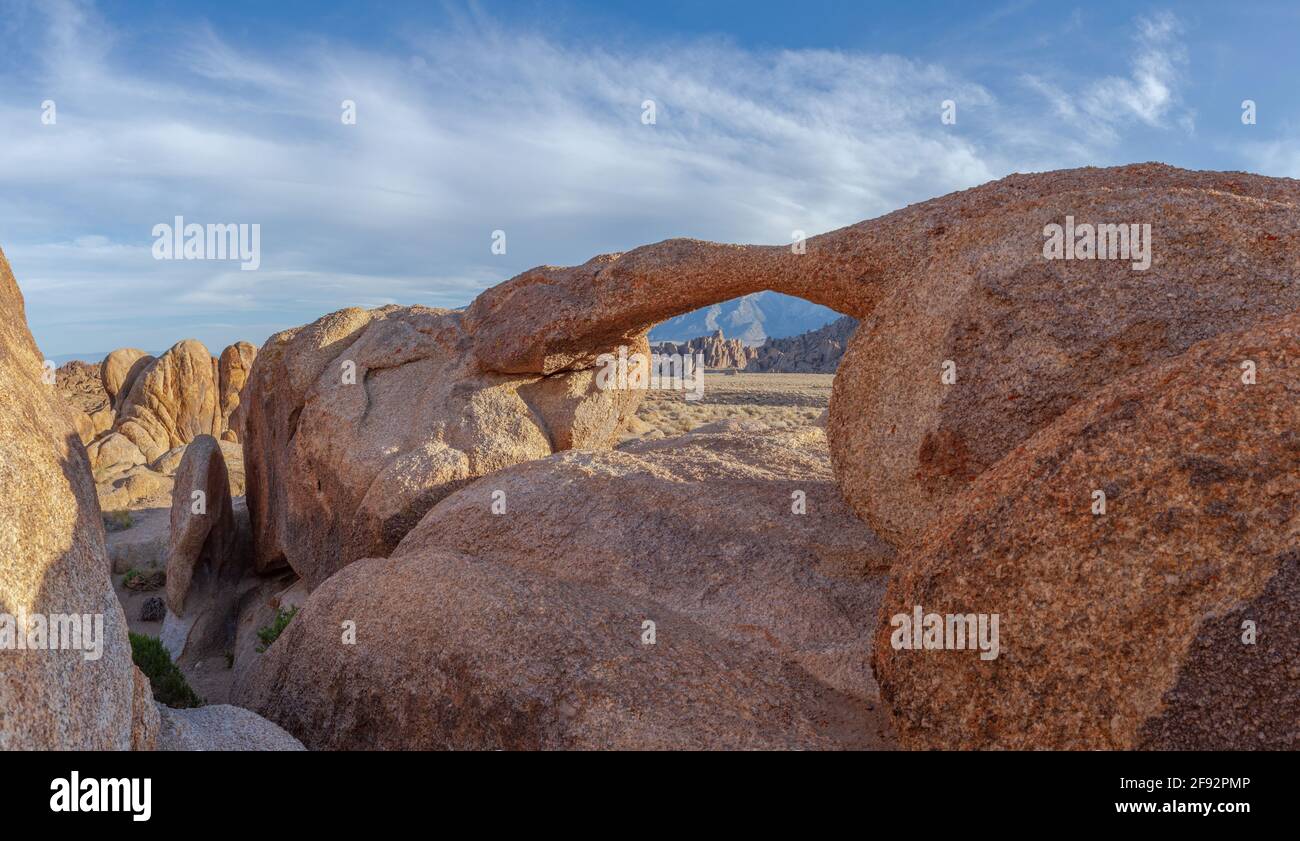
[[782, 401]]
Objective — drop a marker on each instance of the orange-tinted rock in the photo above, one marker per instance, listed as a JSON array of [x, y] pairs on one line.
[[457, 653], [119, 370], [740, 529], [173, 401], [53, 562], [358, 424], [233, 367], [1124, 629], [1028, 337]]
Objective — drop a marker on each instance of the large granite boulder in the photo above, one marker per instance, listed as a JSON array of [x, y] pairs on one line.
[[233, 367], [356, 425], [221, 727], [738, 527], [1026, 337], [53, 564], [208, 556], [119, 371], [450, 652], [172, 401], [1169, 620]]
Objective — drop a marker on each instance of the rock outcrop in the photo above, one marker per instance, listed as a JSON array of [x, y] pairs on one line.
[[119, 371], [339, 471], [1027, 337], [356, 425], [53, 564], [815, 352], [457, 653], [737, 526], [172, 401], [220, 727], [208, 555], [718, 352], [233, 367], [79, 384], [1168, 621], [960, 278], [766, 608]]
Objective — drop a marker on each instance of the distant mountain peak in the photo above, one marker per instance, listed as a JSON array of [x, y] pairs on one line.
[[752, 318]]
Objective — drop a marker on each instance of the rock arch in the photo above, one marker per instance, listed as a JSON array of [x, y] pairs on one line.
[[961, 279], [338, 473]]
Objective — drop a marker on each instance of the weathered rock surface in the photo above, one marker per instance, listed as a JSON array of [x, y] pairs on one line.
[[452, 652], [233, 367], [704, 525], [113, 453], [53, 561], [339, 471], [172, 401], [119, 370], [169, 462], [1123, 630], [717, 351], [960, 278], [79, 384], [146, 721], [750, 601], [359, 423], [220, 727], [1029, 336], [132, 489], [815, 352], [207, 555]]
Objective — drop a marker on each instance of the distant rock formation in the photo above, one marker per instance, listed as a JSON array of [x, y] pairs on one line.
[[79, 384], [718, 352], [815, 352], [233, 367], [159, 405], [119, 371]]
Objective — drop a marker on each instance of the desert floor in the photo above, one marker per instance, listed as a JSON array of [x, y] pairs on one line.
[[783, 401]]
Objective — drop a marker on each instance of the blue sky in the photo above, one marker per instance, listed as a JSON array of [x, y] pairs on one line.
[[526, 118]]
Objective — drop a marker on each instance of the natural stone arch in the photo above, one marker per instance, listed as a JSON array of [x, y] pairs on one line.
[[961, 276], [339, 472]]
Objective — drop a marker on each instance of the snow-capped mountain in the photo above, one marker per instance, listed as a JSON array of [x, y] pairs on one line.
[[751, 318]]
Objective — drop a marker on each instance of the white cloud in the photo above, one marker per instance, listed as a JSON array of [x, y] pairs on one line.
[[463, 132], [1101, 109]]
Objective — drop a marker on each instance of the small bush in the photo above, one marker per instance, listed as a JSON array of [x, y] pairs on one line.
[[168, 684], [117, 520], [144, 579], [272, 632]]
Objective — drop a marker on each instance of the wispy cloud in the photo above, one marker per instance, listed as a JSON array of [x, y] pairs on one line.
[[462, 132], [1101, 109]]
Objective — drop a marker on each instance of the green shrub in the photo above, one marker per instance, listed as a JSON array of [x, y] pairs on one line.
[[168, 684], [131, 574], [272, 632], [117, 520]]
